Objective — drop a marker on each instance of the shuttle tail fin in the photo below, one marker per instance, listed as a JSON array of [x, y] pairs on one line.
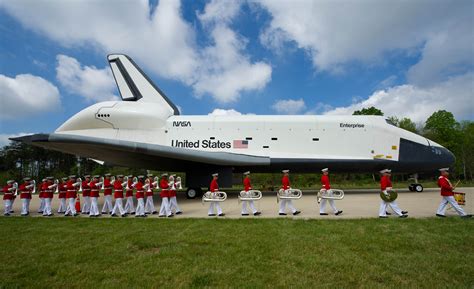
[[134, 84]]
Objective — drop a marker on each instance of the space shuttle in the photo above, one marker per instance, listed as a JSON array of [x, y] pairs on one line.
[[146, 130]]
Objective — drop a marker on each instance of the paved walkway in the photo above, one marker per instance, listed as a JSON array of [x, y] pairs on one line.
[[356, 204]]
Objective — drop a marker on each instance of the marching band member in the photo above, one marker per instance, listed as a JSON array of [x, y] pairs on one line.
[[448, 196], [107, 207], [42, 188], [327, 186], [172, 194], [129, 207], [71, 195], [140, 194], [95, 186], [164, 194], [386, 185], [48, 197], [285, 184], [86, 192], [62, 196], [149, 205], [248, 187], [214, 188], [8, 192], [118, 196], [25, 195]]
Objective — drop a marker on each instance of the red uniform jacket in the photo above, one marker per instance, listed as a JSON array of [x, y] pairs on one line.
[[118, 189], [247, 185], [214, 187], [446, 187], [49, 192], [129, 191], [62, 190], [172, 191], [7, 195], [325, 182], [71, 190], [94, 189], [42, 189], [385, 183], [25, 193], [149, 191], [86, 189], [164, 186], [139, 190], [107, 187], [285, 182]]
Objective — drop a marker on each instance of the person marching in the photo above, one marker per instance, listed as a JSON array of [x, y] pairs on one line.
[[8, 192], [327, 186], [71, 195], [25, 195], [140, 194], [386, 185], [285, 184], [149, 205], [42, 188], [173, 203], [86, 193], [48, 197], [448, 196], [118, 196], [247, 188], [107, 207], [62, 196], [94, 195], [164, 194], [129, 207], [214, 188]]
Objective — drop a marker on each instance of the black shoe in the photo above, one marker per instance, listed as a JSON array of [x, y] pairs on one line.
[[144, 216], [221, 215], [67, 215], [161, 216], [296, 213], [154, 212], [97, 216], [132, 213], [171, 216], [404, 212], [211, 215], [179, 213], [146, 213], [388, 214], [6, 214], [403, 216], [466, 217], [123, 216], [40, 212], [338, 213], [245, 214], [113, 215], [383, 217], [323, 214], [75, 215], [441, 216], [282, 214], [103, 213], [257, 213], [50, 215]]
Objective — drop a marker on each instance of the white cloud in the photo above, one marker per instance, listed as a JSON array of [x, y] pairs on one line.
[[159, 38], [224, 112], [4, 138], [289, 106], [418, 103], [25, 95], [87, 81]]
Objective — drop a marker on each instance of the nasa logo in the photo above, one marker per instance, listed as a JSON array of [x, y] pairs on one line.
[[181, 123]]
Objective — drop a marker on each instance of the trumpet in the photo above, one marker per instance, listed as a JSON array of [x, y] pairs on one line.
[[214, 197], [331, 194], [251, 195], [289, 194]]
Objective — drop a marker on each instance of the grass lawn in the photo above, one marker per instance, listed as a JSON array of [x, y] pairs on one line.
[[219, 253]]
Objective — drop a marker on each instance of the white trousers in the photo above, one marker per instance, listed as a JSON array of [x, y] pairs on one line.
[[165, 207], [118, 207], [449, 200], [174, 205], [213, 207], [393, 205], [62, 206], [107, 207], [87, 205], [252, 207], [140, 211], [41, 207], [71, 206], [149, 205], [94, 209], [7, 206], [284, 203], [25, 206], [129, 207], [47, 207], [322, 207]]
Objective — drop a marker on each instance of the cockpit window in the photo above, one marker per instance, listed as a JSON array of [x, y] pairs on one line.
[[390, 122]]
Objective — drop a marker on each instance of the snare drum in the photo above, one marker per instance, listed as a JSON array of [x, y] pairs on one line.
[[460, 198]]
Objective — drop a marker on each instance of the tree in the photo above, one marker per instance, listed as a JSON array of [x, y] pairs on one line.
[[443, 128], [407, 124], [368, 111]]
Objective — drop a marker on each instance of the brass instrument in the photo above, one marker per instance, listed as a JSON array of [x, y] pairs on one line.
[[101, 180], [134, 181], [125, 183], [79, 184], [15, 186], [214, 197], [156, 181], [56, 183], [289, 194], [178, 183], [334, 194], [392, 196], [251, 195]]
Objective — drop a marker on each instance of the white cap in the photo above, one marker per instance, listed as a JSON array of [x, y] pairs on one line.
[[444, 170], [385, 171], [246, 173], [164, 175], [107, 174], [215, 174], [285, 171], [10, 181], [72, 176], [27, 179], [149, 175], [325, 170]]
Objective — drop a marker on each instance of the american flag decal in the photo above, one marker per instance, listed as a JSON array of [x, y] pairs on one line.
[[241, 144]]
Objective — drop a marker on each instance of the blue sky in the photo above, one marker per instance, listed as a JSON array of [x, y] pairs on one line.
[[408, 58]]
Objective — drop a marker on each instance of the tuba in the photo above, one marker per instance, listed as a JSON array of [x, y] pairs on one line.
[[156, 181], [125, 183], [177, 183], [56, 183], [334, 195], [390, 197], [101, 180], [214, 197], [134, 181], [112, 179], [251, 195], [289, 194], [33, 184], [79, 183], [15, 186]]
